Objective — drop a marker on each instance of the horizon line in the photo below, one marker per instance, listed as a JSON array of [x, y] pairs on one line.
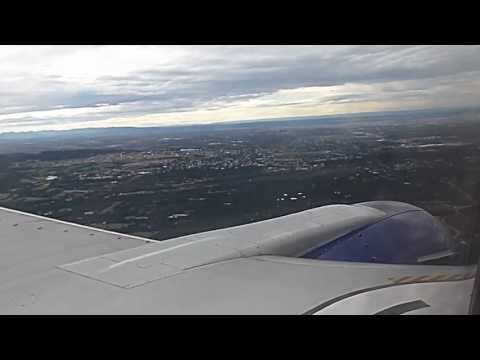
[[226, 122]]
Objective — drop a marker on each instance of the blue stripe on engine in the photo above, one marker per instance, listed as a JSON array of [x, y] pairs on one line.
[[398, 239]]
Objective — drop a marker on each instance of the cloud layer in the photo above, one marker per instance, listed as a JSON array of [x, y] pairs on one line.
[[63, 87]]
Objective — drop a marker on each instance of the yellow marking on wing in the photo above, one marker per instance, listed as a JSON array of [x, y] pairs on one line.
[[454, 277], [402, 280], [438, 277], [431, 278]]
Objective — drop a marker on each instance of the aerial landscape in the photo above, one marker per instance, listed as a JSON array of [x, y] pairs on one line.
[[165, 141], [162, 183], [240, 179]]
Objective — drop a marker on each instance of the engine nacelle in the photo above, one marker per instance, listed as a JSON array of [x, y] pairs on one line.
[[405, 235]]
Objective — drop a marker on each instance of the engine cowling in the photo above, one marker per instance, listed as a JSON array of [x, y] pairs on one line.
[[406, 235]]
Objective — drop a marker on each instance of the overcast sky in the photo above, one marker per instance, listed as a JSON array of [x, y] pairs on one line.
[[66, 87]]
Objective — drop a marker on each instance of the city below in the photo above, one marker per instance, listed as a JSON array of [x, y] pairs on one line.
[[166, 182]]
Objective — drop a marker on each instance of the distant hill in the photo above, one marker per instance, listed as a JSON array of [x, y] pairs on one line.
[[118, 132]]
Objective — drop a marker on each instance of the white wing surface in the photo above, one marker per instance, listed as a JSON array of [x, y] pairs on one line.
[[53, 267]]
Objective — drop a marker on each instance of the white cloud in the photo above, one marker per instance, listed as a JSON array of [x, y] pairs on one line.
[[53, 87]]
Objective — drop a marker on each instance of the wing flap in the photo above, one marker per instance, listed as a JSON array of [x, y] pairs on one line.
[[138, 266], [127, 276]]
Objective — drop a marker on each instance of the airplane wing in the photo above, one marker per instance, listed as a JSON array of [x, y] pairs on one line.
[[53, 267]]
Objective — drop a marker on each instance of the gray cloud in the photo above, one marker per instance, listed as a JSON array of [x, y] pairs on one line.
[[211, 77]]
